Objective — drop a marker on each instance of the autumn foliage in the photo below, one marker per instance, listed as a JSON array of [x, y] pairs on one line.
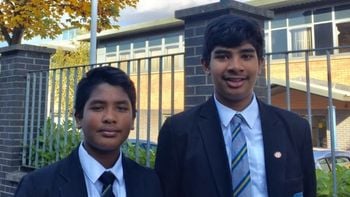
[[46, 18]]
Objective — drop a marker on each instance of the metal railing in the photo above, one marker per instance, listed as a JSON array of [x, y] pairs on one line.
[[50, 132], [292, 78], [322, 72]]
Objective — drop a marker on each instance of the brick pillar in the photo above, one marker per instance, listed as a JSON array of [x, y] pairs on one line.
[[15, 62], [198, 87]]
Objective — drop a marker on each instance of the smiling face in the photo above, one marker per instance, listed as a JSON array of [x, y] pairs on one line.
[[234, 72], [106, 120]]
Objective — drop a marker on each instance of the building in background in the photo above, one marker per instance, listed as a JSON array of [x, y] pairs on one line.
[[311, 24]]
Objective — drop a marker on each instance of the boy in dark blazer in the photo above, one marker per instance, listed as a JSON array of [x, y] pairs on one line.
[[195, 155], [105, 112]]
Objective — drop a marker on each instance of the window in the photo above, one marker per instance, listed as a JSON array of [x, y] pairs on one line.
[[155, 61], [342, 11], [278, 23], [124, 65], [138, 45], [172, 39], [155, 42], [177, 59], [143, 66], [343, 36], [323, 37], [69, 34], [267, 41], [324, 14], [111, 50], [298, 18], [301, 39], [124, 46], [279, 42]]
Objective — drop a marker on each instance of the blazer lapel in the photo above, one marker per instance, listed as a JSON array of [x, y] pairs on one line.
[[72, 181], [131, 179], [210, 129], [274, 139]]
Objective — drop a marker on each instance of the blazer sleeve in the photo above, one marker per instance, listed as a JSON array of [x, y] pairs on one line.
[[308, 163], [167, 162]]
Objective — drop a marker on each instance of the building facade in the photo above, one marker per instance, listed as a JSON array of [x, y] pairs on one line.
[[316, 32]]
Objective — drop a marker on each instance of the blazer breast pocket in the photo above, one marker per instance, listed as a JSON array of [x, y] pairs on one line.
[[294, 187]]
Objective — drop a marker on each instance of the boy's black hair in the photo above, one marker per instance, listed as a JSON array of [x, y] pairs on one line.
[[96, 76], [232, 31]]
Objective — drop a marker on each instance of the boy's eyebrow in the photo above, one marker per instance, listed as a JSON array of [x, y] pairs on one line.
[[221, 50], [96, 102], [243, 50], [247, 50], [121, 102]]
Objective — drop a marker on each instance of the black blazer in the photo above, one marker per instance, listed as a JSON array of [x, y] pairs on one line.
[[65, 178], [192, 162]]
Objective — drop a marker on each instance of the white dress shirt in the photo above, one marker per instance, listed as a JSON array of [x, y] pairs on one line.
[[93, 170], [253, 133]]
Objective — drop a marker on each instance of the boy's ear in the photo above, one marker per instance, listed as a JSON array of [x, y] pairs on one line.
[[205, 66], [77, 120], [261, 64], [132, 124]]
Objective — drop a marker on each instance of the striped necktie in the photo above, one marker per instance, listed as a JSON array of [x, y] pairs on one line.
[[107, 179], [241, 183]]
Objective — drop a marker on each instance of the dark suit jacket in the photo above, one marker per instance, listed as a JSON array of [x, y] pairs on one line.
[[192, 161], [65, 178]]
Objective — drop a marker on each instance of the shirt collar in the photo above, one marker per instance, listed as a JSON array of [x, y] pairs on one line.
[[250, 113], [93, 169]]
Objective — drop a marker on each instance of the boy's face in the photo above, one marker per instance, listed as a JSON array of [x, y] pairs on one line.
[[107, 119], [234, 72]]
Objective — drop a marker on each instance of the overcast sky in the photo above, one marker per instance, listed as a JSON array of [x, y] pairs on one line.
[[147, 10]]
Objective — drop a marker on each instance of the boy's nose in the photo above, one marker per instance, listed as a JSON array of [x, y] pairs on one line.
[[109, 117], [235, 64]]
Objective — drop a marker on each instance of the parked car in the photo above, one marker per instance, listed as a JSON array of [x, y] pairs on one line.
[[323, 158], [142, 144]]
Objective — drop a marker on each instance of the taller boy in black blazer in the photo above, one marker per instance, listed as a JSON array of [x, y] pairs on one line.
[[195, 147], [105, 111]]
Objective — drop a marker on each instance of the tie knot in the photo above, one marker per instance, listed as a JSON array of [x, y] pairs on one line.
[[107, 178], [237, 119]]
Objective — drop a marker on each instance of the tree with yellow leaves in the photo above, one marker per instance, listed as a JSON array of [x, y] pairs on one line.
[[47, 18]]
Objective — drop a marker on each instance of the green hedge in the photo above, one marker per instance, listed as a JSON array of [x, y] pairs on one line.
[[68, 138], [325, 185]]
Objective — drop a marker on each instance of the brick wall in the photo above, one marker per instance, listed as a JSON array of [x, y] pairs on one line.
[[319, 107], [318, 69], [15, 62], [342, 130]]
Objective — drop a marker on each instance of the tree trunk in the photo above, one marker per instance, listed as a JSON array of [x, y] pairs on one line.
[[17, 36], [5, 33]]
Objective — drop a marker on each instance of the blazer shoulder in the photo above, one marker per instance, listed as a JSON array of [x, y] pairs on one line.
[[192, 114], [40, 181], [140, 179], [286, 115], [132, 167], [44, 181]]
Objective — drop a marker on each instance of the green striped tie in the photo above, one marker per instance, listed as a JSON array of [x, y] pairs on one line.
[[241, 182]]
